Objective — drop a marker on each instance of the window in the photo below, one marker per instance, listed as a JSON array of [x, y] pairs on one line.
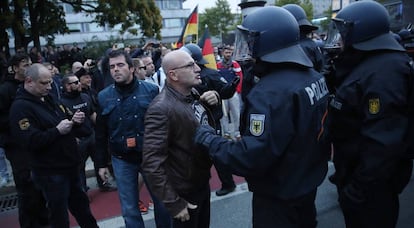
[[67, 8], [395, 11], [168, 4], [76, 27], [173, 23], [94, 27]]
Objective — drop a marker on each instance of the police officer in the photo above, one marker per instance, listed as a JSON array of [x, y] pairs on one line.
[[308, 45], [369, 115], [281, 153]]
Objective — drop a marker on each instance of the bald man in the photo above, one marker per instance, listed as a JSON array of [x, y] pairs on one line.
[[178, 172], [48, 131]]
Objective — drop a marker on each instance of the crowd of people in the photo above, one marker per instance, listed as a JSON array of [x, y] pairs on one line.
[[160, 117]]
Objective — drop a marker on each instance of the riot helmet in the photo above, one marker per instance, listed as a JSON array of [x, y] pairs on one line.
[[195, 51], [363, 25], [270, 34], [300, 16]]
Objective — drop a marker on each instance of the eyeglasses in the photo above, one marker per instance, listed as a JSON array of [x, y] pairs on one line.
[[74, 82], [142, 67], [190, 65]]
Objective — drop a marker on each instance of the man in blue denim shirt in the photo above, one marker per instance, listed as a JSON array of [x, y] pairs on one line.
[[120, 129]]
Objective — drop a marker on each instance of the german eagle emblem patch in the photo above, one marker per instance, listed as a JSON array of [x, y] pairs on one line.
[[374, 106], [24, 124], [257, 124]]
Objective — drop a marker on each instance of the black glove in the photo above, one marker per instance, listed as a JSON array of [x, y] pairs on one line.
[[235, 81], [354, 192], [204, 135]]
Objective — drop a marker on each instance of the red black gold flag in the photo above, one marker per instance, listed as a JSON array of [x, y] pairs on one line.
[[190, 28], [207, 49]]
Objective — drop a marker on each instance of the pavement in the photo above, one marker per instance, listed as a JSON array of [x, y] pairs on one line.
[[232, 210]]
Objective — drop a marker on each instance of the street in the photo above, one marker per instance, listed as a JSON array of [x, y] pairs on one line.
[[235, 211]]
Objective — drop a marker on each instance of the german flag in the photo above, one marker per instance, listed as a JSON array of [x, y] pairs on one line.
[[207, 49], [190, 28]]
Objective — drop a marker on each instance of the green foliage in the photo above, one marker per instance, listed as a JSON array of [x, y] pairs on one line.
[[128, 13], [325, 24], [284, 2], [95, 47], [48, 18], [219, 19]]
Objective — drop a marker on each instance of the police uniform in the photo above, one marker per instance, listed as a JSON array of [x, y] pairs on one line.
[[369, 117], [281, 153], [369, 124]]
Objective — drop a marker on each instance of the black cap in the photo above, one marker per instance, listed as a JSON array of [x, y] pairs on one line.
[[81, 72]]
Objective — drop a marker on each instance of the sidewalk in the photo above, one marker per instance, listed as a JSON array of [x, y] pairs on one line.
[[104, 205]]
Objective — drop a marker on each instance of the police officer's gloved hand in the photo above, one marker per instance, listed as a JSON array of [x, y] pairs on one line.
[[204, 135], [354, 192], [235, 81]]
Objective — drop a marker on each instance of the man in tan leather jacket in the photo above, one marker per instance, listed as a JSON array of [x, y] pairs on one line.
[[177, 171]]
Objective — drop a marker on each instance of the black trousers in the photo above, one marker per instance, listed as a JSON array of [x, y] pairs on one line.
[[200, 216], [293, 213], [32, 205], [63, 193], [374, 204], [87, 148]]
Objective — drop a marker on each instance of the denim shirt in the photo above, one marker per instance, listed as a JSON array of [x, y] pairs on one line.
[[124, 112]]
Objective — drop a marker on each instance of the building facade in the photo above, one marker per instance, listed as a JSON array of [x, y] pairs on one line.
[[83, 30]]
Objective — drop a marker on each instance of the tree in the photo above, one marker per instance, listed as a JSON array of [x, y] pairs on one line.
[[218, 19], [128, 13], [305, 4], [6, 21], [31, 19]]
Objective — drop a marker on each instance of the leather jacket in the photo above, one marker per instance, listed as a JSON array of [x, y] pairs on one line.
[[172, 163]]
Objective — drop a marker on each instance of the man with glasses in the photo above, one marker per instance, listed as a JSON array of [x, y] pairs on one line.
[[149, 69], [73, 99], [120, 131], [177, 171], [139, 68], [31, 203]]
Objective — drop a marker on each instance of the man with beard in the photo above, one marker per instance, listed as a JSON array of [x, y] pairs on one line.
[[75, 100], [120, 131]]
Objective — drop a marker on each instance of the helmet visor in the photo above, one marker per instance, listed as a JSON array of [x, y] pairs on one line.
[[245, 41], [334, 42]]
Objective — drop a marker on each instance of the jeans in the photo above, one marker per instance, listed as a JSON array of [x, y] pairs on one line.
[[126, 175], [63, 192], [231, 119]]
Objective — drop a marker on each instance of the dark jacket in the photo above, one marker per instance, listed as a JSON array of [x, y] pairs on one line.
[[33, 124], [212, 80], [369, 118], [313, 52], [8, 90], [120, 117], [281, 153], [172, 163], [80, 102]]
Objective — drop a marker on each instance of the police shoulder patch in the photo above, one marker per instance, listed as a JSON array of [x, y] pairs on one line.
[[257, 124], [24, 124], [374, 105]]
